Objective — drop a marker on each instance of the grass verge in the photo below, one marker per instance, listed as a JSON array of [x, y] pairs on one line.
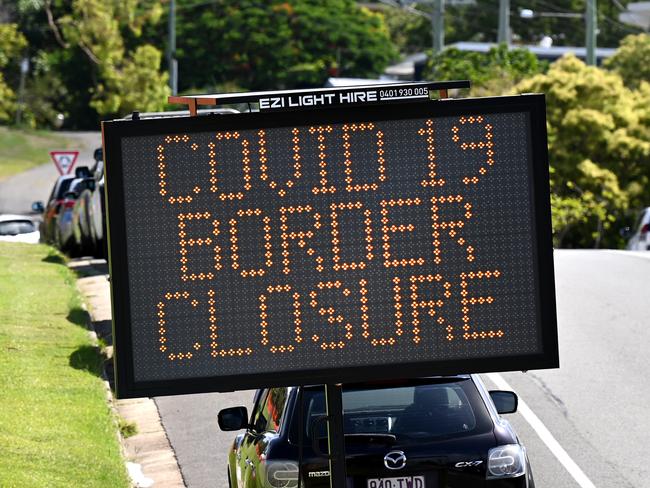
[[22, 149], [56, 429]]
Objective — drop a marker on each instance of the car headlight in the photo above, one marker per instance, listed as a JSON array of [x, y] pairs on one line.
[[507, 461]]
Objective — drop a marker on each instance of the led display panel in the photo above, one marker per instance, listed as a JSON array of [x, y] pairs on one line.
[[330, 245]]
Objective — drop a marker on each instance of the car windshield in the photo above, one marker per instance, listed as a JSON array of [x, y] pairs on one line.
[[413, 412], [15, 227], [80, 184], [63, 188]]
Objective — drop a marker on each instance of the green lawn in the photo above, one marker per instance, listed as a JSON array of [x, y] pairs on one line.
[[56, 429], [21, 150]]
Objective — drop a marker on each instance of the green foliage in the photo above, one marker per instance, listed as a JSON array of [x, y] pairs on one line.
[[89, 61], [7, 101], [127, 428], [632, 60], [100, 58], [493, 73], [47, 93], [279, 44], [12, 45], [599, 144], [139, 85], [127, 80]]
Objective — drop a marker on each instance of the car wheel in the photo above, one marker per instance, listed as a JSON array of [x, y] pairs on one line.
[[68, 247], [71, 249], [87, 249]]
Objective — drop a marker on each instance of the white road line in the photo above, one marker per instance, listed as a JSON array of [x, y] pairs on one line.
[[545, 435]]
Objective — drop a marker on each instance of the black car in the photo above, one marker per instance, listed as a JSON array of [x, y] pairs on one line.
[[89, 221], [441, 432], [64, 235], [51, 210]]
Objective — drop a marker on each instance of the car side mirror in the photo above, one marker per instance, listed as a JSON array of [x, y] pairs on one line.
[[504, 401], [98, 155], [626, 232], [38, 207], [234, 418]]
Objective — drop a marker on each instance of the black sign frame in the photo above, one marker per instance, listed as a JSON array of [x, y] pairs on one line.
[[114, 131]]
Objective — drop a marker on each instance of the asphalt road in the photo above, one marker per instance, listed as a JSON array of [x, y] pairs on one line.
[[19, 192], [594, 406]]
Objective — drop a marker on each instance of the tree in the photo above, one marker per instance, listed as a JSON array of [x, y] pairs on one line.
[[126, 80], [88, 59], [12, 45], [138, 85], [492, 73], [599, 146], [278, 44], [632, 60]]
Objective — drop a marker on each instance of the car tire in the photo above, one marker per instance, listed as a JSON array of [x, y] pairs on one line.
[[71, 249], [68, 247], [87, 249]]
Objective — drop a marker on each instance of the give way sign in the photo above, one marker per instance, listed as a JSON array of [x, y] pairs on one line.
[[64, 160]]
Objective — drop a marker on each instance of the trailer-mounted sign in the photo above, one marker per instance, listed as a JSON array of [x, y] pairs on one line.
[[330, 245]]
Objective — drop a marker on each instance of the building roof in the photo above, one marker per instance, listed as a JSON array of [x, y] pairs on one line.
[[552, 52]]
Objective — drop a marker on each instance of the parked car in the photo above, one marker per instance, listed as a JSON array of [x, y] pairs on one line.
[[52, 208], [89, 222], [64, 236], [18, 228], [417, 433], [639, 235]]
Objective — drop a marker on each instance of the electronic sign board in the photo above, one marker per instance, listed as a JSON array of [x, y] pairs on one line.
[[330, 245]]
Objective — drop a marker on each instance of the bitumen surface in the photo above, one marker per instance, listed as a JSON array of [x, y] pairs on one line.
[[18, 192]]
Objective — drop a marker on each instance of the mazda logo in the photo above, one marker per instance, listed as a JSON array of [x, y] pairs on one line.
[[395, 460]]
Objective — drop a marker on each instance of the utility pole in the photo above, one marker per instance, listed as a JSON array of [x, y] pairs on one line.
[[171, 54], [437, 18], [590, 28], [438, 25], [504, 22]]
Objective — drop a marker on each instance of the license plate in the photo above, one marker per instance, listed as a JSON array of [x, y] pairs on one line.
[[398, 482]]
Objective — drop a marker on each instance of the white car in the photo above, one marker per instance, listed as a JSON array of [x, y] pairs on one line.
[[639, 235], [18, 228]]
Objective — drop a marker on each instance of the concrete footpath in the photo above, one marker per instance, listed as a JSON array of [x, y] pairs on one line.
[[151, 461]]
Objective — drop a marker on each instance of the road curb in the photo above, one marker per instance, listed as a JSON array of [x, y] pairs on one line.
[[150, 459]]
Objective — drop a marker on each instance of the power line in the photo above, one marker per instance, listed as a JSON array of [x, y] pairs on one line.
[[620, 25]]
